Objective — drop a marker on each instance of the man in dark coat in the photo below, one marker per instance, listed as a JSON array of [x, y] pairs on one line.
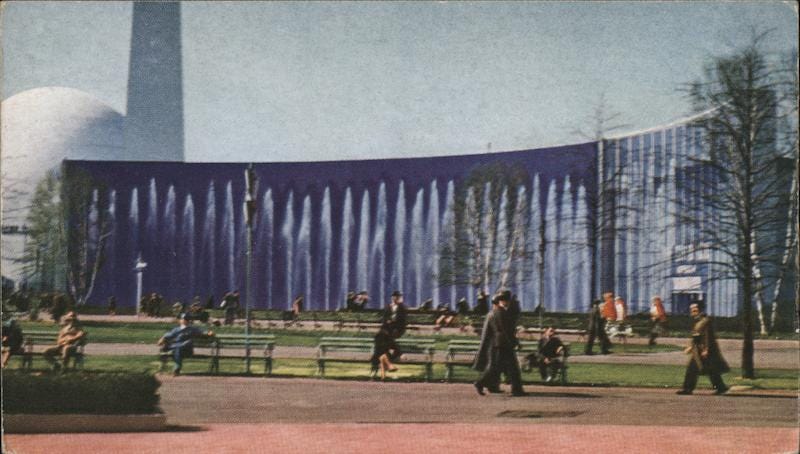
[[484, 356], [482, 305], [705, 355], [597, 329], [503, 342]]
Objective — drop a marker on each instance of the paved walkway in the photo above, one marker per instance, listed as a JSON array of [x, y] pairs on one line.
[[251, 415]]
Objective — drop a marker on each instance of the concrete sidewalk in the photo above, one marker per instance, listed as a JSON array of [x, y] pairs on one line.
[[246, 415], [335, 438]]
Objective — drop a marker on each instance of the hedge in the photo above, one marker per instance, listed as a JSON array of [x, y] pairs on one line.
[[80, 392]]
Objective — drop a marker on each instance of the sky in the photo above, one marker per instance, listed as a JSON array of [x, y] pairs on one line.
[[285, 81]]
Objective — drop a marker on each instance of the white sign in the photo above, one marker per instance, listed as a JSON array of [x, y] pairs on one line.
[[686, 284]]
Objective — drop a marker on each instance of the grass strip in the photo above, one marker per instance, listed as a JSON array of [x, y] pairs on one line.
[[580, 374]]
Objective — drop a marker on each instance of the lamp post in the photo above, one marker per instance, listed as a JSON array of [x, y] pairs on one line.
[[138, 268], [249, 212]]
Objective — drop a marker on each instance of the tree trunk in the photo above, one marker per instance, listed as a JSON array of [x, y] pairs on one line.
[[790, 245], [748, 368], [759, 293]]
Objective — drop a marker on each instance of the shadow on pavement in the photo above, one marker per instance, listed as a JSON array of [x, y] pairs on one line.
[[177, 428]]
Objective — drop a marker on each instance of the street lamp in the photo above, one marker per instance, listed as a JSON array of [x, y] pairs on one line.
[[139, 269], [249, 212]]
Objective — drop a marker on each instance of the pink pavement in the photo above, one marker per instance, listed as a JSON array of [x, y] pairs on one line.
[[418, 438]]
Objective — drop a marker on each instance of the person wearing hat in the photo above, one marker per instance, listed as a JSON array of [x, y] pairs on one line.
[[482, 305], [12, 339], [462, 307], [503, 341], [180, 341], [597, 329], [385, 346], [706, 357], [69, 338]]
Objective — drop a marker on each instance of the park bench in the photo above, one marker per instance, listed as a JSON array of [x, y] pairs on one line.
[[620, 331], [33, 339], [229, 346], [357, 324], [461, 352], [581, 333], [422, 349]]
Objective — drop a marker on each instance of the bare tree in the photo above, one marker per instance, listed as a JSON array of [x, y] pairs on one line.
[[88, 228], [737, 196], [488, 240], [606, 205]]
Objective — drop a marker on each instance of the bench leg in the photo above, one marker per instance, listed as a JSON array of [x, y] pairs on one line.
[[428, 371], [448, 372], [27, 362], [321, 367], [268, 365], [564, 375], [78, 365]]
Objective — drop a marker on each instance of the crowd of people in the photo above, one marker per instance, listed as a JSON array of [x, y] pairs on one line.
[[496, 355]]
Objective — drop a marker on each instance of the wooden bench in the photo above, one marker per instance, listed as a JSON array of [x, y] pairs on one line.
[[240, 346], [228, 346], [461, 352], [358, 324], [32, 339], [581, 333], [205, 348], [409, 346]]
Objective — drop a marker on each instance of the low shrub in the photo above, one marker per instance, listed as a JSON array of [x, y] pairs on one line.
[[80, 392]]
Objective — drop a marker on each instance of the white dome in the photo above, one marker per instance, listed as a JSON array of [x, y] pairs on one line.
[[43, 126]]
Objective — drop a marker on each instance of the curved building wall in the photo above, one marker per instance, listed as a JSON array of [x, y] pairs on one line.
[[324, 228], [646, 249]]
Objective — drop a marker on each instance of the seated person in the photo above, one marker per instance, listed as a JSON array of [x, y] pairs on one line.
[[180, 341], [297, 307], [462, 307], [350, 301], [549, 356], [362, 299], [426, 306], [12, 340], [198, 312], [178, 309], [445, 316], [69, 339]]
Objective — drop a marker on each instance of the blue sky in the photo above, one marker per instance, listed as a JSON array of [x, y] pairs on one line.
[[325, 81]]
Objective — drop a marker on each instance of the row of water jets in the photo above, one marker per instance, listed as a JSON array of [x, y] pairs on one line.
[[302, 256]]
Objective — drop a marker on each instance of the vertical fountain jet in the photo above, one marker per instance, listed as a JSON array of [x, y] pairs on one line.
[[153, 127]]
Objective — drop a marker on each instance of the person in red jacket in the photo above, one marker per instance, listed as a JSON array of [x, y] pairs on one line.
[[609, 312], [658, 319]]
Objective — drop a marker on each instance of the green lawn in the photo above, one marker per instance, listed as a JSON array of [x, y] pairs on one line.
[[623, 375], [150, 332]]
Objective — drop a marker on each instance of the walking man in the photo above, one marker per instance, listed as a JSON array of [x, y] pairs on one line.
[[705, 355], [597, 329], [503, 342]]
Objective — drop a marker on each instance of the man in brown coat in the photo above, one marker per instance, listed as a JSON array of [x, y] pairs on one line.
[[705, 355]]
